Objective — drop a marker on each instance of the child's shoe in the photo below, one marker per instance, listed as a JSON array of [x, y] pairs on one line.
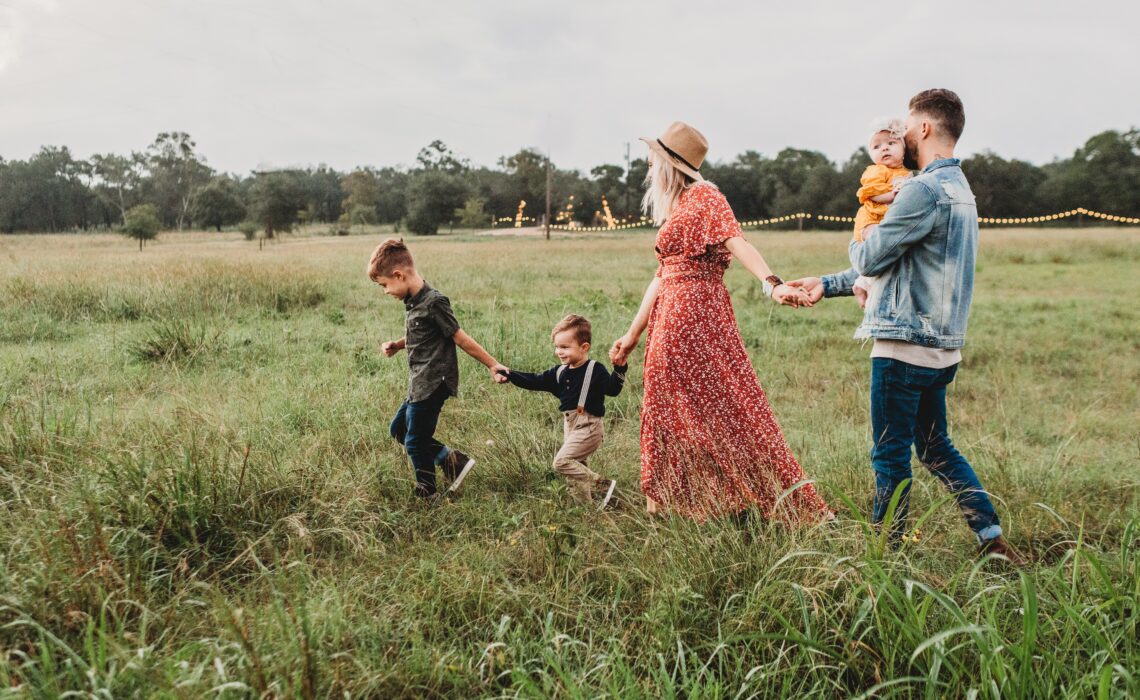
[[429, 498], [456, 466]]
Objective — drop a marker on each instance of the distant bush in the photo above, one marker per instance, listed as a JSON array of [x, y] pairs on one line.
[[142, 223]]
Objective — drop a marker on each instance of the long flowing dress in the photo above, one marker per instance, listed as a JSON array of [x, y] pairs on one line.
[[710, 445]]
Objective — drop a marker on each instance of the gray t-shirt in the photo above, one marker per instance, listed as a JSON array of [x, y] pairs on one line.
[[428, 331]]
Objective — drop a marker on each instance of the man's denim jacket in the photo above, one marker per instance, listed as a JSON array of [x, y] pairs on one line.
[[923, 256]]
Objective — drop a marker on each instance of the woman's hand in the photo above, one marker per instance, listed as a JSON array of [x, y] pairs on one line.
[[788, 295], [622, 347]]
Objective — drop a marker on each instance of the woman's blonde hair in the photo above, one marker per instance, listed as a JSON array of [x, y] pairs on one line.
[[664, 185]]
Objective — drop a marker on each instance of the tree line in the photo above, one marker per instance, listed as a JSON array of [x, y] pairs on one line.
[[170, 185]]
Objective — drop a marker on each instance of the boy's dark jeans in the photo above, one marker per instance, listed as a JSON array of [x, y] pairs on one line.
[[414, 428], [908, 406]]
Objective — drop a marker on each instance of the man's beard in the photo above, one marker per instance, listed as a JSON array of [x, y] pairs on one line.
[[910, 155]]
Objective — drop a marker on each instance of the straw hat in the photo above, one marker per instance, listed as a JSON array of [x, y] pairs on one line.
[[682, 146]]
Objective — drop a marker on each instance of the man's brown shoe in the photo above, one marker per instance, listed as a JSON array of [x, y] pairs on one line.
[[1001, 547]]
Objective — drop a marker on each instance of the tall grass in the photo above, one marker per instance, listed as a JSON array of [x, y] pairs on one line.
[[199, 496]]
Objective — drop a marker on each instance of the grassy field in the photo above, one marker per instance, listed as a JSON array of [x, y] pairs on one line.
[[198, 494]]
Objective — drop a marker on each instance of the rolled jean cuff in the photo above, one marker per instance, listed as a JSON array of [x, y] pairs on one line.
[[988, 533], [442, 455]]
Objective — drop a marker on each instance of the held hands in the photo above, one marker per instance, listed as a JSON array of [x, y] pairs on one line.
[[790, 295], [812, 286], [623, 346], [499, 373]]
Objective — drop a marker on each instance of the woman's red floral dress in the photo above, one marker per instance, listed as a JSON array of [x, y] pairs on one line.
[[709, 442]]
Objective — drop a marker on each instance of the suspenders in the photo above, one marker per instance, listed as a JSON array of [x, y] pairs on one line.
[[585, 384]]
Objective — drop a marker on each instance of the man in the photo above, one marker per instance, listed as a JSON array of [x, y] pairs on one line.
[[923, 254]]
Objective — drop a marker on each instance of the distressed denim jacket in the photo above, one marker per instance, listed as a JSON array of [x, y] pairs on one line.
[[923, 257]]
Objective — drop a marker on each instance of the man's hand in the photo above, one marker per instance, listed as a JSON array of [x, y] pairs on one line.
[[860, 296], [788, 295], [499, 373], [813, 286], [621, 349], [391, 347]]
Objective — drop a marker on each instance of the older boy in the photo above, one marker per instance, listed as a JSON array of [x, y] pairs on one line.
[[431, 334]]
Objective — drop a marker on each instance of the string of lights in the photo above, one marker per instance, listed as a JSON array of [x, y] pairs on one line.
[[644, 222]]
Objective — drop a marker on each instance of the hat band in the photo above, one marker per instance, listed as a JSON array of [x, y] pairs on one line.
[[676, 155]]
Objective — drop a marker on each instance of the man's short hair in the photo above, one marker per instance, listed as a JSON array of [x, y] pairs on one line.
[[388, 256], [941, 106], [576, 323]]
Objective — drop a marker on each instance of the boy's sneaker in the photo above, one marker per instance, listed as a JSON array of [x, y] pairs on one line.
[[1000, 547], [423, 495], [456, 466], [605, 489]]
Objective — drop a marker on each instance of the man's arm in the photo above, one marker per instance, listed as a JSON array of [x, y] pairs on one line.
[[475, 350], [907, 222], [839, 284]]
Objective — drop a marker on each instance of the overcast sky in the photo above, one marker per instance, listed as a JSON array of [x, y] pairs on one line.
[[286, 82]]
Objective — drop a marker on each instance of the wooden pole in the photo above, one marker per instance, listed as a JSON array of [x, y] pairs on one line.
[[548, 175]]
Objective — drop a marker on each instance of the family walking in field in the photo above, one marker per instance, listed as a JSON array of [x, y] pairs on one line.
[[710, 443]]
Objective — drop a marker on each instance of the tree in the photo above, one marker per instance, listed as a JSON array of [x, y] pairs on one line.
[[610, 181], [323, 193], [362, 196], [1003, 188], [472, 214], [1103, 175], [437, 156], [746, 184], [45, 193], [391, 206], [176, 171], [142, 224], [433, 197], [276, 200], [117, 180], [217, 204], [527, 172]]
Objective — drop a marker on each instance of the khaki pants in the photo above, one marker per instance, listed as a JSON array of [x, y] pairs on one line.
[[583, 435]]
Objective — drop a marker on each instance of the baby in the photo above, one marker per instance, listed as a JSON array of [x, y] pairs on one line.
[[879, 184]]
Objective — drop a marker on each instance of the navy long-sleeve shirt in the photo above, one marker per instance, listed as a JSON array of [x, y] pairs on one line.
[[569, 387]]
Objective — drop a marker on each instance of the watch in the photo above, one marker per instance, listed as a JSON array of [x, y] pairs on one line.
[[770, 284]]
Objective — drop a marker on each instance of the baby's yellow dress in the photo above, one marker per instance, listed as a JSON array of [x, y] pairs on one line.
[[877, 179]]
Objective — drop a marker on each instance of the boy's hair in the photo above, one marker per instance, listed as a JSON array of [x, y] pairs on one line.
[[388, 256], [576, 323], [944, 107]]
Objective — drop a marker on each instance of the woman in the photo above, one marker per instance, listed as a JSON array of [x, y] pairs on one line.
[[709, 443]]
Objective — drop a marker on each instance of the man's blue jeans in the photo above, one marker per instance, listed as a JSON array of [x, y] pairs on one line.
[[414, 428], [908, 406]]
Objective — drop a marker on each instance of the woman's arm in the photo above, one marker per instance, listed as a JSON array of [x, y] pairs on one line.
[[751, 259], [624, 345]]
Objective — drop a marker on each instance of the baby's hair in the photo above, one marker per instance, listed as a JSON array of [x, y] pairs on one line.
[[388, 256], [892, 125], [576, 323]]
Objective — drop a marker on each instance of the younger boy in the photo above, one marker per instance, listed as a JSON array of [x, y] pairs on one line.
[[431, 334], [581, 384]]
